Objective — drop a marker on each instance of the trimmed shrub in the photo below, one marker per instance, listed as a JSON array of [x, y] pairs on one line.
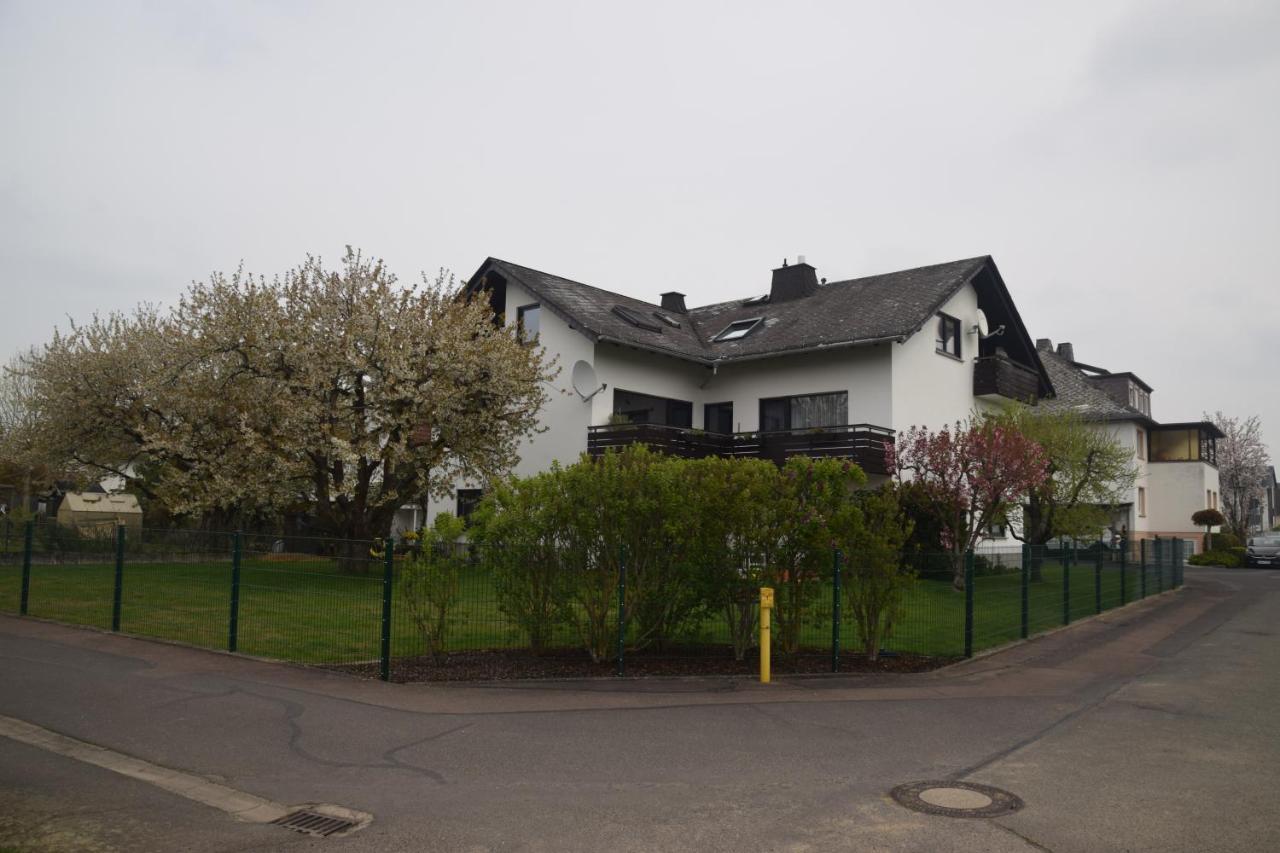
[[1224, 542], [1226, 559]]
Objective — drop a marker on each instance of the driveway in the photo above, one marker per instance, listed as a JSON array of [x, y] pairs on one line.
[[1148, 728]]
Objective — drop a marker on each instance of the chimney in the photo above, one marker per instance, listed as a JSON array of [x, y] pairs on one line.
[[1067, 351], [674, 302], [794, 282], [1044, 344]]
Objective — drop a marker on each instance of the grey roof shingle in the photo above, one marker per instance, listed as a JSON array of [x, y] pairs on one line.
[[1077, 394], [890, 306]]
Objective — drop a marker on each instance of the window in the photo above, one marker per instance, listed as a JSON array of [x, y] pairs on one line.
[[647, 409], [1142, 502], [1139, 399], [636, 319], [995, 530], [1142, 445], [738, 329], [670, 321], [468, 500], [718, 418], [805, 411], [528, 320], [948, 341]]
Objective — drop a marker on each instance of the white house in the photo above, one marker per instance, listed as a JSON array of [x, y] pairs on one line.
[[1176, 462], [804, 366]]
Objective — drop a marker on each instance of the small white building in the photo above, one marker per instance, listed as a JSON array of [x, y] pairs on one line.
[[800, 366]]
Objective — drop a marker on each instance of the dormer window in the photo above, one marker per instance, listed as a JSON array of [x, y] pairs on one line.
[[1139, 399], [737, 330], [948, 339], [636, 319]]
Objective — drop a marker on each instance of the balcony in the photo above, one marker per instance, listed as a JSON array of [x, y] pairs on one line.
[[863, 443], [1000, 376]]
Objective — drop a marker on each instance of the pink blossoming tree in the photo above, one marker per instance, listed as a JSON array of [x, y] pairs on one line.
[[970, 474]]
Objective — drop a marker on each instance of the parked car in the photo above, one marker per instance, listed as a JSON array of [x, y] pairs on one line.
[[1263, 550]]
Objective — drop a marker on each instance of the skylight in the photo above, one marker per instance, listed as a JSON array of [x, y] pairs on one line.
[[738, 329], [670, 321], [756, 300], [636, 319]]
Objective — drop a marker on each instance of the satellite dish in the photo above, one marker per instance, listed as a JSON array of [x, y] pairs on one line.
[[584, 380], [981, 326]]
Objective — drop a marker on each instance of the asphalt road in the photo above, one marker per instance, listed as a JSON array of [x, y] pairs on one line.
[[1151, 728]]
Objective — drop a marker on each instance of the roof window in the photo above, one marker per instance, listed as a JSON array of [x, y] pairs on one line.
[[738, 329], [756, 300], [636, 319], [670, 321]]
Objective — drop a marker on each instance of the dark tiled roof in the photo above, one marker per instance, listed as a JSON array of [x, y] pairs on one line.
[[1077, 394], [880, 307]]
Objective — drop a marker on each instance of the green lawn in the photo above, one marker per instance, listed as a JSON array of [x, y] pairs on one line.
[[305, 610]]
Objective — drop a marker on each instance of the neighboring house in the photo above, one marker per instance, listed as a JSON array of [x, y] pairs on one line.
[[1263, 514], [98, 513], [802, 367], [1176, 462]]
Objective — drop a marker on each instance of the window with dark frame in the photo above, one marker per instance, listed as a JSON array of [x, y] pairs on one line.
[[529, 320], [718, 418], [738, 329], [804, 411], [647, 409], [468, 500], [948, 339]]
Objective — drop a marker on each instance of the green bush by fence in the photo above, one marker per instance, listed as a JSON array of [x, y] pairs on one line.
[[248, 594]]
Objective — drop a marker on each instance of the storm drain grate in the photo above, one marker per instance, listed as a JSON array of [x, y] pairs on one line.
[[314, 823]]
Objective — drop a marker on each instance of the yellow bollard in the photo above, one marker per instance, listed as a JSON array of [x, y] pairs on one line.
[[766, 609]]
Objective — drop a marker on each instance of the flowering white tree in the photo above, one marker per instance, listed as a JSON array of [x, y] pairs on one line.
[[335, 388], [1242, 465]]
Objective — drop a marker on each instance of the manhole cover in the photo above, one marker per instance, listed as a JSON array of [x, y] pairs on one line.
[[956, 799], [314, 823]]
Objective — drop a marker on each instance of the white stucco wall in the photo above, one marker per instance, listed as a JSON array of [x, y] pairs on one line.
[[644, 373], [1177, 489], [862, 372], [931, 389], [565, 415]]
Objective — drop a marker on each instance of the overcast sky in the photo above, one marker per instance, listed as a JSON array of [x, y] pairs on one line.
[[1121, 161]]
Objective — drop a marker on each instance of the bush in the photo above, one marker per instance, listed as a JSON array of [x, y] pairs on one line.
[[1224, 542], [430, 582], [1227, 559]]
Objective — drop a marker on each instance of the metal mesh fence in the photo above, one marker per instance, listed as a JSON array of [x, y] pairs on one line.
[[467, 611]]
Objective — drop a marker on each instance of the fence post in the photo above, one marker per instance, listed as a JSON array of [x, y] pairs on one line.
[[388, 568], [835, 610], [1066, 586], [1124, 570], [1176, 580], [1159, 565], [968, 604], [1097, 580], [233, 630], [118, 593], [1142, 565], [1026, 585], [622, 610], [28, 538]]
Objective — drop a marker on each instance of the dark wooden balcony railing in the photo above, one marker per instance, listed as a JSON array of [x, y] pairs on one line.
[[863, 443], [997, 375]]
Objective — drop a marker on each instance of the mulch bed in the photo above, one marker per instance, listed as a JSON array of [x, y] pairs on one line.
[[506, 664]]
